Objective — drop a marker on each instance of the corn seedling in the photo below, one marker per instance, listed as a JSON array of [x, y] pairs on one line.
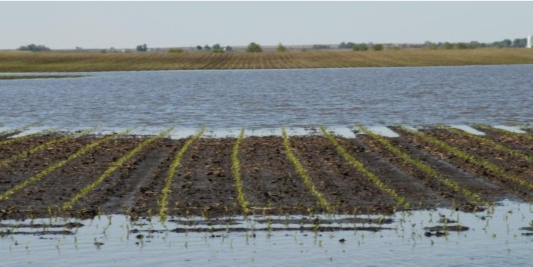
[[423, 167], [25, 137], [322, 202], [495, 145], [236, 171], [366, 172], [163, 203], [470, 158], [27, 153], [504, 132], [117, 164], [58, 165]]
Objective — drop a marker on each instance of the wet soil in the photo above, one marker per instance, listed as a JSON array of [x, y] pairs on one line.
[[505, 161], [204, 184]]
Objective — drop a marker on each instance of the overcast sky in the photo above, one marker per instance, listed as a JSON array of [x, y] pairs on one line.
[[167, 24]]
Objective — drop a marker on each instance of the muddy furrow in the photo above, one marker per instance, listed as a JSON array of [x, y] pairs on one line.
[[416, 192], [203, 184], [479, 171], [513, 140], [15, 148], [271, 185], [145, 194], [512, 164], [64, 183], [485, 189], [116, 193], [339, 181]]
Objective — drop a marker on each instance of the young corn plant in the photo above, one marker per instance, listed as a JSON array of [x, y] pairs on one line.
[[27, 153], [528, 137], [25, 137], [116, 165], [322, 202], [58, 165], [424, 167], [494, 144], [165, 192], [470, 158], [236, 171], [400, 201]]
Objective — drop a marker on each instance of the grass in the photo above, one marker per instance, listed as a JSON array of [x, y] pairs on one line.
[[58, 165], [365, 171], [322, 202], [117, 164], [424, 167], [165, 192], [80, 62], [492, 168], [236, 171]]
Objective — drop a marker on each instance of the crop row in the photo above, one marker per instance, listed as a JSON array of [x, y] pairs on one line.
[[292, 156]]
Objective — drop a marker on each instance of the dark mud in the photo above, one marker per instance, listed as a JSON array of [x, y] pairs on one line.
[[510, 164], [204, 185]]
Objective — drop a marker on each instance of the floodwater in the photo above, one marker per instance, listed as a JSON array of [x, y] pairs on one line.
[[494, 238], [225, 99]]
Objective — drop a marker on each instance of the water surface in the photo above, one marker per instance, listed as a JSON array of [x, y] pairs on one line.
[[271, 98]]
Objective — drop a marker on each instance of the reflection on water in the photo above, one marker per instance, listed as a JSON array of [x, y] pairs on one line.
[[271, 98], [494, 238]]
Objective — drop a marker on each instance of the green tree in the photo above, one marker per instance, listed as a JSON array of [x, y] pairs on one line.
[[377, 47], [217, 46], [281, 48], [360, 47], [142, 48], [254, 48], [447, 46], [198, 47], [34, 48]]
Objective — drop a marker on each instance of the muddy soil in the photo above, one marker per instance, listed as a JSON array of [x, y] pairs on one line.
[[508, 163], [204, 184]]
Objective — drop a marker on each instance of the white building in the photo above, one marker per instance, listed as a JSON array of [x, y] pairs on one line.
[[529, 41]]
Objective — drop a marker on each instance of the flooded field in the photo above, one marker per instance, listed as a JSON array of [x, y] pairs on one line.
[[134, 190], [269, 98]]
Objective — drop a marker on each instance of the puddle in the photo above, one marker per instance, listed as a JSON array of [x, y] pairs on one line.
[[494, 237], [467, 129], [514, 129]]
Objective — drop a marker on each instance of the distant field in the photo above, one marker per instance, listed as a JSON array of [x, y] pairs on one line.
[[77, 62]]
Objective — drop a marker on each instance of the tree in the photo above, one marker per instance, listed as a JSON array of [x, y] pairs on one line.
[[216, 46], [198, 47], [34, 48], [207, 48], [254, 48], [360, 47], [142, 48], [377, 47], [228, 48], [281, 48], [447, 46]]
